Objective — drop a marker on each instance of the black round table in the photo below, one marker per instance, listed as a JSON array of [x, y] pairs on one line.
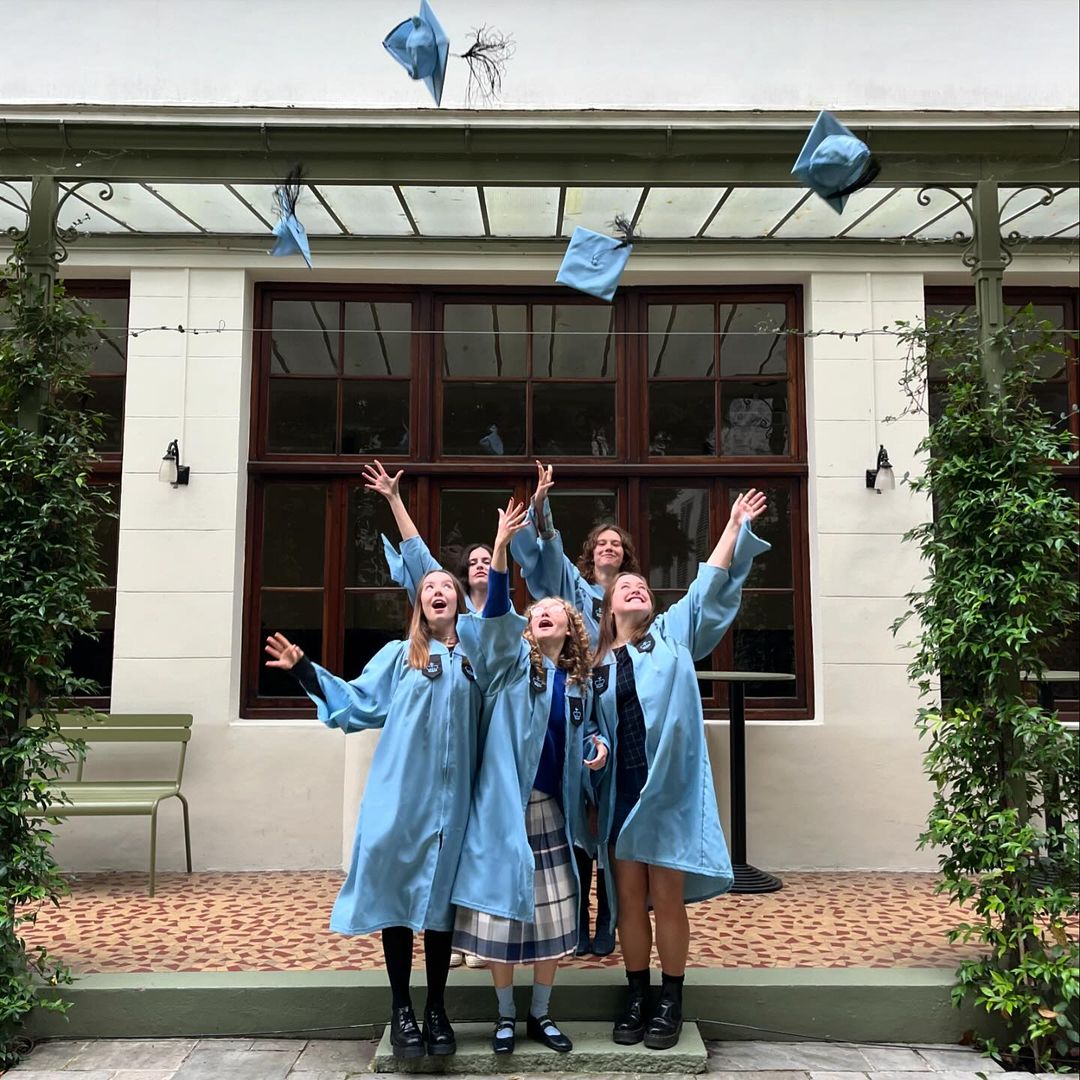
[[748, 878]]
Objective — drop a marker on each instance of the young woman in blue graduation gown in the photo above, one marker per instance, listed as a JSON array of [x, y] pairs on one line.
[[409, 563], [657, 803], [516, 887], [608, 550], [423, 693]]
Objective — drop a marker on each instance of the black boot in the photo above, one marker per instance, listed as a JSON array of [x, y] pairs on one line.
[[665, 1027], [438, 1034], [405, 1038], [630, 1027]]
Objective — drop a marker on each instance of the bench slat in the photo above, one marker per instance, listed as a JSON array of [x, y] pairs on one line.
[[132, 735], [125, 720]]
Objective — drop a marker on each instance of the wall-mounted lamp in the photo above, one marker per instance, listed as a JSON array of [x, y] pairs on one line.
[[881, 478], [171, 471]]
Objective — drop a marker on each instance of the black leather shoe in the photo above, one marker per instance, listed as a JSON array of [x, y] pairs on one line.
[[665, 1027], [535, 1030], [630, 1027], [405, 1038], [438, 1034], [503, 1045], [584, 943], [604, 943]]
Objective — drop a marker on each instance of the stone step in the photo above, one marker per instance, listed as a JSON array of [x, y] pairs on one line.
[[594, 1053]]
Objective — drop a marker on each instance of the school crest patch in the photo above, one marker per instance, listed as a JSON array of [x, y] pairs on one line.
[[600, 678], [577, 711], [467, 668], [538, 681], [434, 667], [597, 607], [646, 644]]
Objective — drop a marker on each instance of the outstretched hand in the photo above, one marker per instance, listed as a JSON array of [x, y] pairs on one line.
[[748, 507], [376, 478], [600, 759], [544, 483], [285, 654], [511, 520]]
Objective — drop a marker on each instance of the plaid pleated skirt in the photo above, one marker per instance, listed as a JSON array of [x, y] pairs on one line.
[[554, 929]]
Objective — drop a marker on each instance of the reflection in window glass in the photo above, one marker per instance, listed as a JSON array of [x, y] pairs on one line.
[[577, 513], [303, 416], [573, 341], [681, 340], [682, 419], [305, 338], [374, 417], [297, 615], [678, 535], [105, 396], [774, 526], [574, 419], [371, 620], [484, 340], [750, 341], [484, 419], [294, 520], [109, 355], [467, 517], [369, 516], [754, 419], [91, 657], [378, 338], [764, 640]]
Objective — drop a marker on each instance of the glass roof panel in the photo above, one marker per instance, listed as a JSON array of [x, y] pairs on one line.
[[816, 218], [367, 209], [522, 211], [1063, 212], [213, 206], [901, 215], [12, 215], [445, 211], [677, 211], [131, 204], [753, 211], [595, 207], [316, 221]]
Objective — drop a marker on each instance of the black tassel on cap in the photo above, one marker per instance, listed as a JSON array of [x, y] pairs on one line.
[[487, 57], [287, 193], [624, 230]]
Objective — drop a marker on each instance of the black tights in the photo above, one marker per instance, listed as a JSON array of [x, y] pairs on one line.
[[397, 943], [585, 869]]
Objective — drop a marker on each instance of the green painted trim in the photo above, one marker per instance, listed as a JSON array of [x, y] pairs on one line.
[[852, 1004]]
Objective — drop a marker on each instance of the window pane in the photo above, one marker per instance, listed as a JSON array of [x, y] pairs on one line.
[[764, 640], [1053, 399], [773, 570], [106, 397], [1051, 365], [678, 535], [109, 356], [574, 419], [755, 420], [383, 346], [91, 657], [467, 517], [484, 340], [375, 417], [371, 620], [305, 337], [484, 419], [682, 418], [107, 534], [573, 341], [369, 515], [297, 615], [294, 524], [681, 340], [764, 353], [577, 513], [303, 416]]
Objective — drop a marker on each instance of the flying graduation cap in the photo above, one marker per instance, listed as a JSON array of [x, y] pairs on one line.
[[291, 237], [834, 162], [594, 263]]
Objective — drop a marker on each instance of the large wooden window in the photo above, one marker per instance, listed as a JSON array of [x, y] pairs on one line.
[[463, 390], [1059, 396]]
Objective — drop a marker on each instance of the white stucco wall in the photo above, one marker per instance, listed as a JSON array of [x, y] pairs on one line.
[[892, 55]]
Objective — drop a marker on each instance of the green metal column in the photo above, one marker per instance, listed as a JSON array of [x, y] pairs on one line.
[[988, 262], [42, 264]]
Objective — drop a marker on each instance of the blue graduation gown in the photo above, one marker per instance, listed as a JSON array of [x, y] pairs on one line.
[[548, 572], [411, 563], [675, 822], [416, 802], [495, 872]]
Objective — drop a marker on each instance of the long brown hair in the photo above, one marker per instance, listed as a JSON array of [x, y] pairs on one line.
[[419, 632], [463, 563], [574, 656], [607, 619], [630, 562]]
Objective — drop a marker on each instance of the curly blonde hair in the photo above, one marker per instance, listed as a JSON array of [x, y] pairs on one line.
[[575, 654]]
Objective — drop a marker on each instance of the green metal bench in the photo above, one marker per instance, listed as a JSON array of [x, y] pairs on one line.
[[108, 798]]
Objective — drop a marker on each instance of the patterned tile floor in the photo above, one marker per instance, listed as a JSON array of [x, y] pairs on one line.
[[278, 922]]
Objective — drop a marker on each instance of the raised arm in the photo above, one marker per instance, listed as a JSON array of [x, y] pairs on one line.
[[701, 618]]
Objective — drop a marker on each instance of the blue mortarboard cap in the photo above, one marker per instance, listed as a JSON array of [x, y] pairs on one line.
[[291, 237], [593, 263], [834, 162], [421, 47]]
